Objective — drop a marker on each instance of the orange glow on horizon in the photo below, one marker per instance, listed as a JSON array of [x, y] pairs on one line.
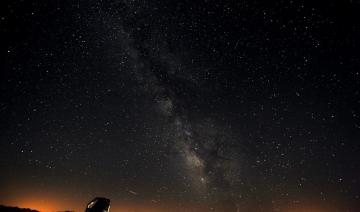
[[43, 204], [40, 205], [54, 202]]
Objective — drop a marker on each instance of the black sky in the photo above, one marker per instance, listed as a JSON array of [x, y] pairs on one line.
[[211, 104]]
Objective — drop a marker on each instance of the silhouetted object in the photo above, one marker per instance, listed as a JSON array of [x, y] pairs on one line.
[[99, 204], [15, 209]]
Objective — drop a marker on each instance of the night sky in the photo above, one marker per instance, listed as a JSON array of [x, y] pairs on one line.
[[180, 105]]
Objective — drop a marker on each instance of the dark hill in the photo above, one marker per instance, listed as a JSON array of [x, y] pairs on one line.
[[15, 209]]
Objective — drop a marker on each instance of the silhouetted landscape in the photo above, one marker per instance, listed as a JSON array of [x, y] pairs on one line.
[[15, 209], [4, 208]]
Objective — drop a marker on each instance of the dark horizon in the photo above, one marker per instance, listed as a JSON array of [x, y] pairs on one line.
[[5, 208]]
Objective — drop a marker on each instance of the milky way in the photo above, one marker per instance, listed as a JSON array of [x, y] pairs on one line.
[[203, 148]]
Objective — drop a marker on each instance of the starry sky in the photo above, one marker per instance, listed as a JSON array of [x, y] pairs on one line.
[[205, 105]]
